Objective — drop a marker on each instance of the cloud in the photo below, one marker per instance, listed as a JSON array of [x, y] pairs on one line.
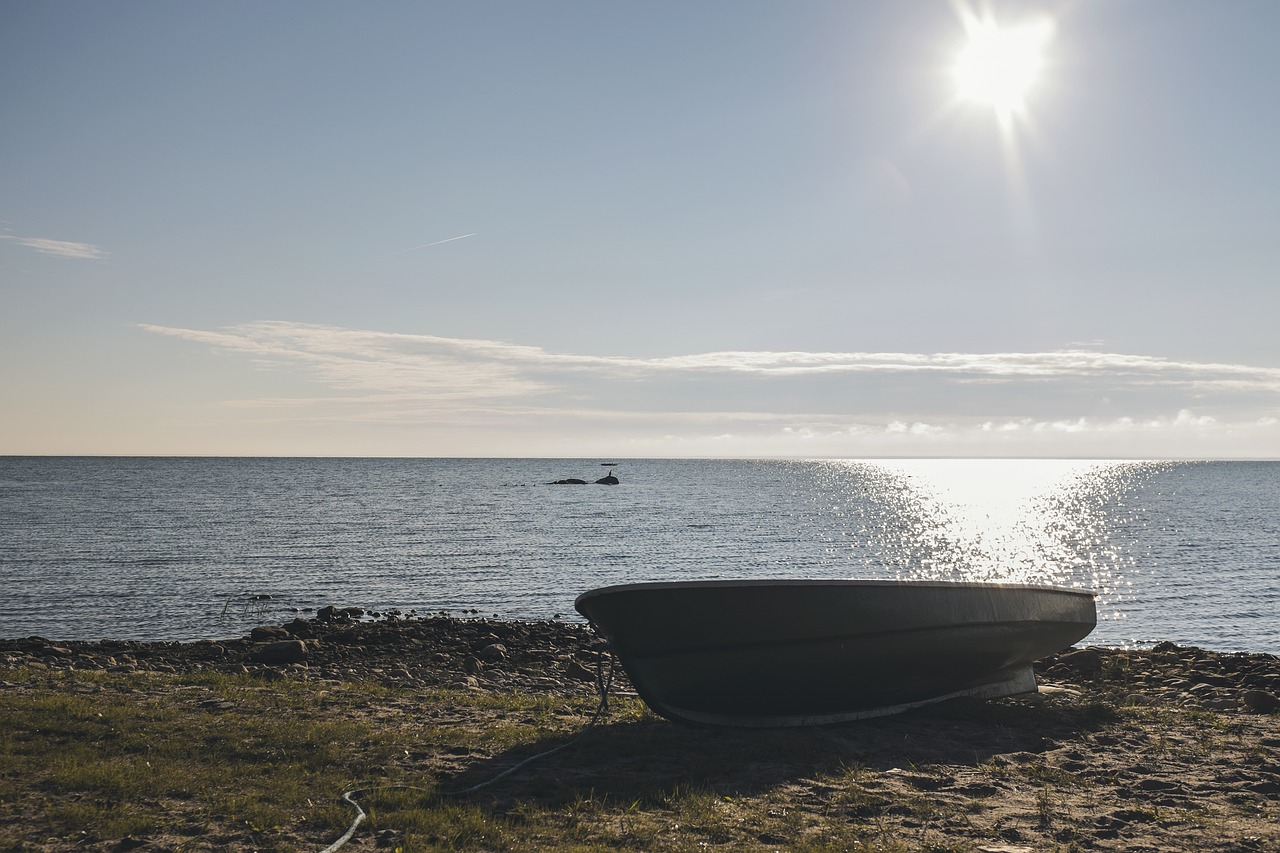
[[372, 366], [331, 345], [827, 401], [58, 248]]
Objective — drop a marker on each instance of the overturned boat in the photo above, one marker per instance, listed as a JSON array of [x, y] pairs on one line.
[[807, 652]]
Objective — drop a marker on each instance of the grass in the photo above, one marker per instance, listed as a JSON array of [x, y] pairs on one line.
[[210, 761], [96, 756], [206, 761]]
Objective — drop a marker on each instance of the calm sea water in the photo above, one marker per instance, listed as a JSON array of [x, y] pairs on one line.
[[187, 548]]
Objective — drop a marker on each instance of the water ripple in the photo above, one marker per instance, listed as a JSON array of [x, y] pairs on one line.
[[187, 548]]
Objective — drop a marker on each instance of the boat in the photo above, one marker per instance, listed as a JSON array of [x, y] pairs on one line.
[[773, 653]]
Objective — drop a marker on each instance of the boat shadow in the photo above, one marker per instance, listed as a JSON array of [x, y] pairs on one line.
[[647, 759]]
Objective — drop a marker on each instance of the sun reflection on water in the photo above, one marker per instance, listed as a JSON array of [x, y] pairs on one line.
[[1044, 521]]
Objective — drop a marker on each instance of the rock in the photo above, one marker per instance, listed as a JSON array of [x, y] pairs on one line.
[[299, 628], [579, 672], [1055, 690], [1259, 701], [264, 633], [283, 651], [346, 635], [1083, 661], [492, 653], [338, 614]]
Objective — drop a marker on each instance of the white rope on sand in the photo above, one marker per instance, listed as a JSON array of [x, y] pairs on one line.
[[360, 816]]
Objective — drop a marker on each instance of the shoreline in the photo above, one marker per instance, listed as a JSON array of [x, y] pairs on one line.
[[1172, 747]]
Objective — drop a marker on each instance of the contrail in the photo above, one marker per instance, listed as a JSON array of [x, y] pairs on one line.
[[436, 243]]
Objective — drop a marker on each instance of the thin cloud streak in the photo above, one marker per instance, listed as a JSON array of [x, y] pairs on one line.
[[436, 243], [368, 364], [327, 344], [59, 248]]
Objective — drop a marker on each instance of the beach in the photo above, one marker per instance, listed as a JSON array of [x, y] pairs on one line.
[[1162, 748]]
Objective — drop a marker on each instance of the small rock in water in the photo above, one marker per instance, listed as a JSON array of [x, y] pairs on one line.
[[338, 614]]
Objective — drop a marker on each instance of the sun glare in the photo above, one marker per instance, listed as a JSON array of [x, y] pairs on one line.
[[1000, 66]]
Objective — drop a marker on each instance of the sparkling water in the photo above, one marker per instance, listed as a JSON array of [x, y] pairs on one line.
[[186, 548]]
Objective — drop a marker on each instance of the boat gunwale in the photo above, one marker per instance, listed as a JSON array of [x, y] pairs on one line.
[[821, 582]]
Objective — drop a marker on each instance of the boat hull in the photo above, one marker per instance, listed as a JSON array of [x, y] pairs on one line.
[[787, 652]]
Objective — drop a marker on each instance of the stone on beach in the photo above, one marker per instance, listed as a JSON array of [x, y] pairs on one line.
[[1260, 701], [283, 651], [492, 653], [1083, 661]]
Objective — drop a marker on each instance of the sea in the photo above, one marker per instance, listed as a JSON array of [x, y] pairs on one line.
[[204, 548]]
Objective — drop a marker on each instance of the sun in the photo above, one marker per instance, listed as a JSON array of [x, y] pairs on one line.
[[1000, 66]]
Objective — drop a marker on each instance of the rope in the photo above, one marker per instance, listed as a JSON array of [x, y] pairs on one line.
[[360, 816], [604, 681]]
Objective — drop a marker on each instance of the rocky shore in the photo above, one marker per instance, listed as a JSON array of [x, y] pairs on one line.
[[1167, 748], [558, 657], [344, 644]]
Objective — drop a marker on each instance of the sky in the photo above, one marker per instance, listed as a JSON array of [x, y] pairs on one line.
[[661, 229]]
